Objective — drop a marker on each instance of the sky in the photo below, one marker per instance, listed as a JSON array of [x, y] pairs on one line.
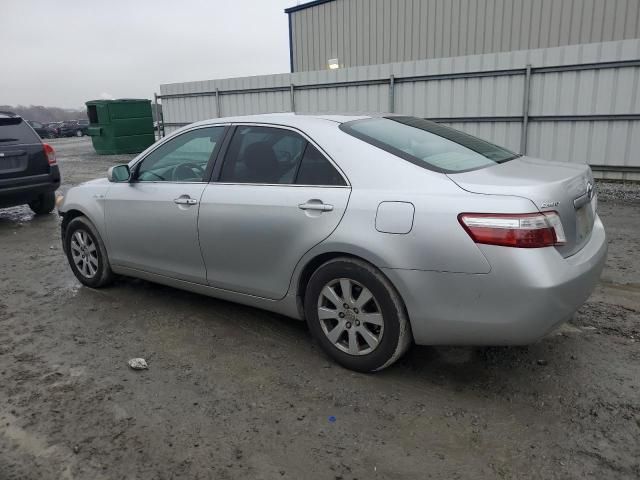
[[61, 53]]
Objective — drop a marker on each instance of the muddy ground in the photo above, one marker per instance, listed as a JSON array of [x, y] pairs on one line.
[[234, 392]]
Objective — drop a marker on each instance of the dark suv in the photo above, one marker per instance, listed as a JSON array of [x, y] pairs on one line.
[[28, 169]]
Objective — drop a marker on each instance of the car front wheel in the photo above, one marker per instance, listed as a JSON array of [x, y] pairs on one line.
[[356, 315], [78, 133], [87, 254]]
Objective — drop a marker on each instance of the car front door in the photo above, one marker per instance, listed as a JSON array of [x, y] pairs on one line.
[[152, 220], [275, 197]]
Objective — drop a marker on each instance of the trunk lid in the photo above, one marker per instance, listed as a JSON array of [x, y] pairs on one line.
[[566, 188]]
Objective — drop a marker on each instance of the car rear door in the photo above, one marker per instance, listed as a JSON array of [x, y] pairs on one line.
[[151, 221], [276, 195]]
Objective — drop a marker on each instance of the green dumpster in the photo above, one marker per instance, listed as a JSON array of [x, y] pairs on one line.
[[120, 126]]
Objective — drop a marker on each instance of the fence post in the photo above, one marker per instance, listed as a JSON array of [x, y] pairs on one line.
[[293, 97], [525, 110], [392, 83], [158, 120], [218, 103]]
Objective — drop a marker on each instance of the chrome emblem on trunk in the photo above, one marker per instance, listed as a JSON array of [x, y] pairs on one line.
[[550, 204]]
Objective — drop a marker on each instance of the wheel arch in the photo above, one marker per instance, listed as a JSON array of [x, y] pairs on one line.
[[69, 215], [311, 264]]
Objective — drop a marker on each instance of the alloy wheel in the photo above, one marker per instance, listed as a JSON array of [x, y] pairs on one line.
[[350, 316], [84, 253]]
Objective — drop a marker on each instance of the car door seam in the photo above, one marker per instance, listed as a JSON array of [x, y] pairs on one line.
[[295, 268], [206, 272]]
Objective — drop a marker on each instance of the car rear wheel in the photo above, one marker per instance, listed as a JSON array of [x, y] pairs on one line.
[[78, 133], [43, 204], [87, 254], [356, 315]]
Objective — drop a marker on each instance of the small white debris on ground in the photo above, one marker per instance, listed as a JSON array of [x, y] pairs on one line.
[[138, 364]]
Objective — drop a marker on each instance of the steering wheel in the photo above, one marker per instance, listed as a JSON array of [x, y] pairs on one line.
[[187, 170]]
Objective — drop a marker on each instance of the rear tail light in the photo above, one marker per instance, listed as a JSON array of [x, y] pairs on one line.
[[51, 154], [527, 230]]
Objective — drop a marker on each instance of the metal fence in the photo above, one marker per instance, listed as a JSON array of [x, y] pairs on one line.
[[575, 103]]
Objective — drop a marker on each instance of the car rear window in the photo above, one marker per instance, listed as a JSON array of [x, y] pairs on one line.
[[428, 144], [15, 131]]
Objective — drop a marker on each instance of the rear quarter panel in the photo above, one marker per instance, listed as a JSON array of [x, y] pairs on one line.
[[436, 241]]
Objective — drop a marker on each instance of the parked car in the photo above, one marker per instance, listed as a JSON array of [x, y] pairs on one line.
[[73, 128], [29, 172], [55, 127], [379, 231], [43, 130]]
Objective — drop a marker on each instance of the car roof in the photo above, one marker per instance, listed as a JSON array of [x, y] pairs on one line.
[[289, 119], [4, 114]]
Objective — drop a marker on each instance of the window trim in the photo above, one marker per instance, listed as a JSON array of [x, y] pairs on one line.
[[215, 178], [210, 164]]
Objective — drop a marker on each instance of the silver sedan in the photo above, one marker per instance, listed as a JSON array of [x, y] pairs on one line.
[[378, 231]]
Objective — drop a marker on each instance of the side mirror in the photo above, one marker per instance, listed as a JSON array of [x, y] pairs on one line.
[[119, 173]]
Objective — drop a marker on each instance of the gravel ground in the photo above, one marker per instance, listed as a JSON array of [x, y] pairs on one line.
[[234, 392], [626, 192]]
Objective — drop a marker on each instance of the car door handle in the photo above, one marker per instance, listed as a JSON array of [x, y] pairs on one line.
[[185, 201], [321, 207]]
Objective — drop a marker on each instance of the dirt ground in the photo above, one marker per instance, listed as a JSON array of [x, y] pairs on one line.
[[234, 392]]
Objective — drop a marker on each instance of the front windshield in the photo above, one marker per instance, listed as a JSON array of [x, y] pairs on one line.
[[428, 144]]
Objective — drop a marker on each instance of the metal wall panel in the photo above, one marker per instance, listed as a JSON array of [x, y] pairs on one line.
[[366, 32], [479, 94]]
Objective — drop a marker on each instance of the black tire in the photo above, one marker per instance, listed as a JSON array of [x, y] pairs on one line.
[[45, 203], [396, 334], [79, 133], [84, 228]]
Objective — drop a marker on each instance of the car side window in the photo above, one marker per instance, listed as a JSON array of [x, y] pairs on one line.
[[315, 169], [181, 159], [265, 155]]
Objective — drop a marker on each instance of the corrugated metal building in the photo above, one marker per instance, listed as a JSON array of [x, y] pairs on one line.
[[577, 102], [369, 32]]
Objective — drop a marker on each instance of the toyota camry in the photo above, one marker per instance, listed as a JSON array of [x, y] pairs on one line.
[[380, 232]]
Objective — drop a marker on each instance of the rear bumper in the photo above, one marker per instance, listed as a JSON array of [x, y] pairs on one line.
[[20, 190], [527, 294]]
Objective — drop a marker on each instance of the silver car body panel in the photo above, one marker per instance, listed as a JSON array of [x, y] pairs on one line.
[[254, 242], [528, 293], [146, 230], [252, 236], [88, 199]]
